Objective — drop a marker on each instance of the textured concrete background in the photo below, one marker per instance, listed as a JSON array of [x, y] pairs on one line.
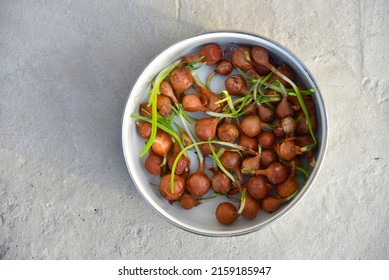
[[65, 72]]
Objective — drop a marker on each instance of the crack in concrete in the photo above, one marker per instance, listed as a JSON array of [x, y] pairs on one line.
[[361, 19], [178, 9]]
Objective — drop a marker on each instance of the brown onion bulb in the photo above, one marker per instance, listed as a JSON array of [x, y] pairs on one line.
[[166, 89], [212, 53], [265, 113], [162, 143], [220, 182], [251, 163], [181, 79], [288, 125], [284, 109], [164, 106], [287, 188], [261, 70], [188, 202], [206, 149], [277, 129], [236, 84], [224, 67], [251, 125], [231, 160], [288, 149], [248, 142], [271, 203], [260, 56], [192, 103], [209, 99], [239, 60], [153, 163], [276, 173], [226, 213], [266, 139], [258, 186], [145, 110], [165, 187], [198, 183], [253, 73], [268, 156], [228, 132], [251, 208], [183, 162], [206, 128], [144, 129]]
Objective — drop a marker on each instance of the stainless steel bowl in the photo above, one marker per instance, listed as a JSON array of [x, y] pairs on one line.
[[201, 219]]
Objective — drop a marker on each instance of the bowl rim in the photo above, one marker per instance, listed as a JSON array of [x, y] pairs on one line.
[[319, 159]]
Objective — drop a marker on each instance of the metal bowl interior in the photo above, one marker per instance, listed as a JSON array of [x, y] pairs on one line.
[[201, 219]]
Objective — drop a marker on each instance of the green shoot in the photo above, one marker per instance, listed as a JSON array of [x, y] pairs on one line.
[[180, 112], [247, 56], [192, 64], [219, 164], [210, 197], [302, 92], [153, 101], [300, 99], [194, 144], [228, 99], [242, 201], [292, 195], [238, 112], [248, 171], [164, 125], [304, 172], [208, 82]]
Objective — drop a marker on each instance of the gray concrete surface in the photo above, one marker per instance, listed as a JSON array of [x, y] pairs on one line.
[[66, 68]]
